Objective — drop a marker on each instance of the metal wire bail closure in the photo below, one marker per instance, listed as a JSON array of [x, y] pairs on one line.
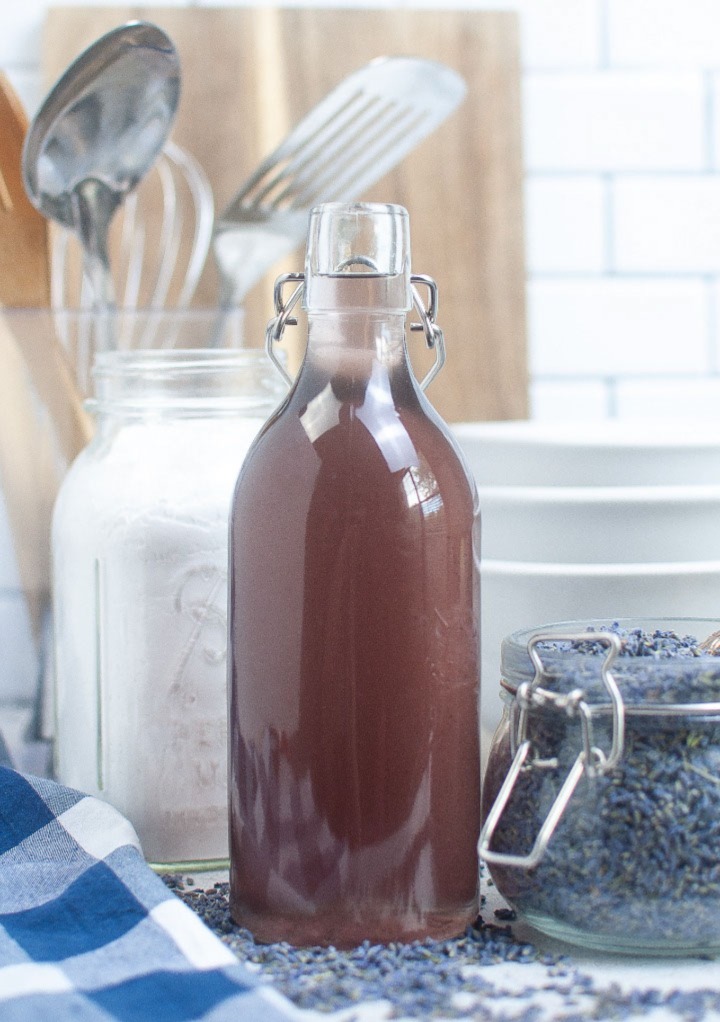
[[591, 759], [283, 317], [433, 334]]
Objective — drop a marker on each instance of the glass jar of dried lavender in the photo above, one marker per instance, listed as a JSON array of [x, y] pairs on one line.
[[601, 799]]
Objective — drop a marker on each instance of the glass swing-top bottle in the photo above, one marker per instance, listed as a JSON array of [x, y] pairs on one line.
[[354, 765]]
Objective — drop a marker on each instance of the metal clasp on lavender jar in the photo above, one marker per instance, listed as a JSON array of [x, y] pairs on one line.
[[601, 797], [591, 759]]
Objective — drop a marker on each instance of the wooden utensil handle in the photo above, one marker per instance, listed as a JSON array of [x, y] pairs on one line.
[[52, 378]]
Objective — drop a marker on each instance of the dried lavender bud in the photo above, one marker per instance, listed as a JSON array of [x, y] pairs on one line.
[[635, 643]]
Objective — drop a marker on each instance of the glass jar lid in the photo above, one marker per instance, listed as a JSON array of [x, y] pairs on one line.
[[658, 664]]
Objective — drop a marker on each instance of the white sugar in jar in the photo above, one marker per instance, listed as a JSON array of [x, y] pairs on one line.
[[139, 547]]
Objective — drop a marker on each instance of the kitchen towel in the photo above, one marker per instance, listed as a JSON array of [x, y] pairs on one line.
[[88, 932]]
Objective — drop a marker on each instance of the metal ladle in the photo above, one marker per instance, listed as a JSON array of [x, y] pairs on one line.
[[98, 132]]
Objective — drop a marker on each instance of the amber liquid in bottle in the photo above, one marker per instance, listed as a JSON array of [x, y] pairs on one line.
[[354, 776]]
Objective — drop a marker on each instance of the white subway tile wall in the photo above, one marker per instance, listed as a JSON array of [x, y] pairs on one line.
[[621, 125], [615, 121], [667, 225], [569, 400], [619, 326], [681, 398], [566, 224], [664, 33], [20, 37], [622, 149]]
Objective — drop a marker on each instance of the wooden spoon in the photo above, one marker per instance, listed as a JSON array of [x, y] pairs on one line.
[[25, 283], [32, 365]]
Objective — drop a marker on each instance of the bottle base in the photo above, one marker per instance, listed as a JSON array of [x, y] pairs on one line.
[[341, 930]]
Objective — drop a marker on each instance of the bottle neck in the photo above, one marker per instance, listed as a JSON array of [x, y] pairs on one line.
[[356, 359], [355, 342], [356, 321]]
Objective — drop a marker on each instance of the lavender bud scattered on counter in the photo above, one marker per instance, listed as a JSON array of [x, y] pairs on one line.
[[453, 979], [420, 979]]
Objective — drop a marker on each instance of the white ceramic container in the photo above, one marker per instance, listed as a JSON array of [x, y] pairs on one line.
[[609, 453], [609, 524]]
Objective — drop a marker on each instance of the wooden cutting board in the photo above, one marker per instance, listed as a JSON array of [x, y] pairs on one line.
[[250, 73]]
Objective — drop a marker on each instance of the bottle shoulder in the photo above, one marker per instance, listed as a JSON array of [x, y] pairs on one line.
[[330, 437]]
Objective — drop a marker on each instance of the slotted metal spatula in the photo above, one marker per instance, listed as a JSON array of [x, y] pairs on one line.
[[362, 129]]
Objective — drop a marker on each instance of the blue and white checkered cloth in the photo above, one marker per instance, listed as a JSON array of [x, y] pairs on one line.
[[89, 933]]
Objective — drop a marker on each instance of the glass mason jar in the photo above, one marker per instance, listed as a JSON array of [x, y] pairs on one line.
[[601, 798], [354, 767], [139, 547]]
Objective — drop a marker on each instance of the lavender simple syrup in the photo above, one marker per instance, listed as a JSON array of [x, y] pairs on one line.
[[354, 763]]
